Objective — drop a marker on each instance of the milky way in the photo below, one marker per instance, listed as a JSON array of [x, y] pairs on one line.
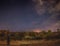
[[17, 15], [52, 8]]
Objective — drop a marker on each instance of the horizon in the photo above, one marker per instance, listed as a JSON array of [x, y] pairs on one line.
[[34, 30]]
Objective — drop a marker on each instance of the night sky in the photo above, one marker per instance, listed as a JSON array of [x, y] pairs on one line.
[[27, 15]]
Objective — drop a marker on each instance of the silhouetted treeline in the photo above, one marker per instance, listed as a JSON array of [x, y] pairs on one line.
[[29, 35]]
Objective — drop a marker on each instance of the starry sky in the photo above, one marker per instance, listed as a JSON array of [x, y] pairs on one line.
[[22, 15]]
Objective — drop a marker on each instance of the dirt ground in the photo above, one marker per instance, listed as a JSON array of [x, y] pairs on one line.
[[32, 43]]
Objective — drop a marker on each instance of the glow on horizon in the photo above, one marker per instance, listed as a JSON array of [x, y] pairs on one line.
[[37, 30]]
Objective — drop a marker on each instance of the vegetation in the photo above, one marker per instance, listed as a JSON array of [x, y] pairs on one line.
[[42, 38], [29, 35]]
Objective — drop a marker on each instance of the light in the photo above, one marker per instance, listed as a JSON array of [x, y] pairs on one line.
[[37, 30]]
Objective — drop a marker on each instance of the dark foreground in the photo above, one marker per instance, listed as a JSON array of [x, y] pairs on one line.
[[34, 43]]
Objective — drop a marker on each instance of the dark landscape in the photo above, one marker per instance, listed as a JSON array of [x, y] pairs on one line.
[[30, 38]]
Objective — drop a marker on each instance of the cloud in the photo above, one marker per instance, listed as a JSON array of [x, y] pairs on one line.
[[42, 6], [52, 8], [50, 24], [55, 9], [54, 26]]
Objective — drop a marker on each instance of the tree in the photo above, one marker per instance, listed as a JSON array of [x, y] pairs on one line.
[[58, 33], [49, 35], [43, 34], [12, 36], [58, 30], [20, 36], [3, 34]]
